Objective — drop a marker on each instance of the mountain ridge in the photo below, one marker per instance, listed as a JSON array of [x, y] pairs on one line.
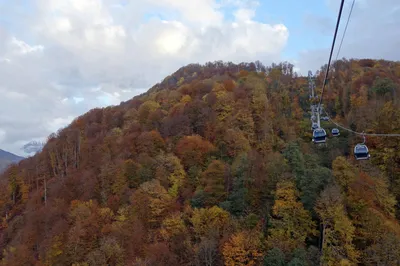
[[7, 158]]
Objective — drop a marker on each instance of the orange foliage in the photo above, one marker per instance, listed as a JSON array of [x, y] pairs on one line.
[[192, 150]]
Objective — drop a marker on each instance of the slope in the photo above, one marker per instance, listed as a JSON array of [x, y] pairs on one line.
[[214, 166], [7, 158]]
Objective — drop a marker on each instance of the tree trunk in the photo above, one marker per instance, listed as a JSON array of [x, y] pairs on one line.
[[45, 192]]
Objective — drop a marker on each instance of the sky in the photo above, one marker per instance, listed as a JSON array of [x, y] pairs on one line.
[[61, 58]]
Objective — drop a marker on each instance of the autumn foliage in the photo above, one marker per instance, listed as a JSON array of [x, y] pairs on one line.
[[214, 166]]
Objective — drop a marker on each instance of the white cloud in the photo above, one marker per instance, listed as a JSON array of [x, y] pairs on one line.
[[59, 122], [244, 14], [78, 99], [24, 48], [69, 56], [2, 135]]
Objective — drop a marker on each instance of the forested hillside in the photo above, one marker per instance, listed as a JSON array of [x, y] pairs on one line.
[[215, 166]]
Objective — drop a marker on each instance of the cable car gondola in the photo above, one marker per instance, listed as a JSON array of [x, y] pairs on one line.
[[335, 132], [314, 126], [319, 136], [361, 152]]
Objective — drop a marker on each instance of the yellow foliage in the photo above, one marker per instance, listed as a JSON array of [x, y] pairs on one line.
[[343, 172], [152, 201], [54, 251], [236, 142], [338, 229], [292, 224], [146, 109], [186, 99], [224, 105], [173, 226], [106, 214], [171, 167], [180, 81], [207, 220], [242, 249], [243, 120], [123, 214], [24, 192]]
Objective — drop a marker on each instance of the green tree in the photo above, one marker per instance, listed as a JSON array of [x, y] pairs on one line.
[[274, 257], [382, 86], [237, 201], [213, 182]]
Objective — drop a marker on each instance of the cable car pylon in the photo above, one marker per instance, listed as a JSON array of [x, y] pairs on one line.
[[319, 134]]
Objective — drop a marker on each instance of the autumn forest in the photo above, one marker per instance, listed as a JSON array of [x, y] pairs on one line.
[[215, 166]]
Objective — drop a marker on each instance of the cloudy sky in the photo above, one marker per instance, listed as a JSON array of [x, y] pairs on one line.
[[60, 58]]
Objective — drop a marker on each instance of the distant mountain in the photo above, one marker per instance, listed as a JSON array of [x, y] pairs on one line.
[[7, 158], [33, 147]]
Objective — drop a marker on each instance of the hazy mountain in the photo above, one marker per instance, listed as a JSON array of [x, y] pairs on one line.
[[33, 147], [7, 158]]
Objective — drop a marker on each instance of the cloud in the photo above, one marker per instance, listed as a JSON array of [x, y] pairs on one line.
[[60, 58], [372, 32]]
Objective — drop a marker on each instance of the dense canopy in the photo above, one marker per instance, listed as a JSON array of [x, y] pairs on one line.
[[215, 166]]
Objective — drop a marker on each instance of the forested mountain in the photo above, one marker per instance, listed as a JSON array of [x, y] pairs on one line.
[[215, 166], [7, 158]]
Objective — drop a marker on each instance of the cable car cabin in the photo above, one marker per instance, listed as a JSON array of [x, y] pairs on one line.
[[361, 152], [314, 126], [335, 132], [319, 135]]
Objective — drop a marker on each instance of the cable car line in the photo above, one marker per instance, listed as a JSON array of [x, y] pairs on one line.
[[319, 134], [345, 30], [330, 56], [362, 133]]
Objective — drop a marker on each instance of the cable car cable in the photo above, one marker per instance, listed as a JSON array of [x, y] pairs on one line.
[[345, 30], [330, 56], [362, 133]]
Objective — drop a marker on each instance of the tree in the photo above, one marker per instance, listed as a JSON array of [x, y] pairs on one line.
[[146, 109], [295, 158], [385, 251], [243, 120], [238, 201], [207, 252], [213, 182], [343, 172], [192, 150], [224, 104], [291, 223], [337, 229], [170, 167], [243, 248], [234, 142], [150, 142], [131, 173], [209, 221], [274, 257], [173, 226], [382, 86], [152, 202]]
